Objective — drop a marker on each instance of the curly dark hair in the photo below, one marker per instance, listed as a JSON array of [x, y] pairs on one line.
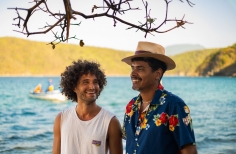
[[153, 63], [72, 74]]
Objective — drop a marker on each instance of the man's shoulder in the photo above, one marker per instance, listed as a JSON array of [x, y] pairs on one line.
[[172, 97], [173, 100], [108, 113], [67, 110]]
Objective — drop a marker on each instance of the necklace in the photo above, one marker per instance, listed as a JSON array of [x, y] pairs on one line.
[[146, 102]]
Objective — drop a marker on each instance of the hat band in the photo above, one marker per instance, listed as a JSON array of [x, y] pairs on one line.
[[141, 52]]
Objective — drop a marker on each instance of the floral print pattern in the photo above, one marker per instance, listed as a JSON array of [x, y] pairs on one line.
[[187, 120], [162, 99], [143, 124], [131, 107], [160, 86], [129, 110], [186, 109], [123, 132], [173, 122], [161, 119], [165, 113]]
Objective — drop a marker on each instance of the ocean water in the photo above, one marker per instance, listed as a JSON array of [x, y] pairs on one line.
[[26, 124]]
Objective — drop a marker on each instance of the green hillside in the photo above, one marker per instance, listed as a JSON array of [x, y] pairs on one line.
[[23, 57], [221, 63], [186, 63]]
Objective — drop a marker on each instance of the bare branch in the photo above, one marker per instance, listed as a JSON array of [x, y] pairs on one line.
[[111, 10], [189, 3]]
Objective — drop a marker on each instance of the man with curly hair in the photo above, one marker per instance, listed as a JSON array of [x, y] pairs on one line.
[[156, 121], [86, 128]]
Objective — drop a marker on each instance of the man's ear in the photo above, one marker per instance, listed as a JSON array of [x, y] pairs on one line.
[[75, 89], [159, 73]]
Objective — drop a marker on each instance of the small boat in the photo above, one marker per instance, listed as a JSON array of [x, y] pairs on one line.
[[50, 95]]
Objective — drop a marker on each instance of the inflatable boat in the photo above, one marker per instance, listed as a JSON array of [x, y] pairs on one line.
[[50, 95]]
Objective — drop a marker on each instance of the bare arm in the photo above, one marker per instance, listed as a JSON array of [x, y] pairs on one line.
[[189, 149], [115, 137], [57, 135]]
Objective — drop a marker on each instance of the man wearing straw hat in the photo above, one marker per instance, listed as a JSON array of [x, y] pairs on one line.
[[156, 121]]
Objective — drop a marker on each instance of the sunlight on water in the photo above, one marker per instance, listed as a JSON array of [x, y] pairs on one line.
[[26, 124]]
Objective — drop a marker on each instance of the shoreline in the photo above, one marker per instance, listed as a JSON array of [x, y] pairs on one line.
[[40, 75]]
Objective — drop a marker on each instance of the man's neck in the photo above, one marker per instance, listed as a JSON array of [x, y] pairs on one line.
[[86, 112], [148, 95]]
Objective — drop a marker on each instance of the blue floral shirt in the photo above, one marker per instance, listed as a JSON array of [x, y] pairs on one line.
[[164, 128]]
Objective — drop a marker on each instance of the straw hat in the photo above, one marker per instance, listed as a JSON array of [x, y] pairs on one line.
[[148, 49]]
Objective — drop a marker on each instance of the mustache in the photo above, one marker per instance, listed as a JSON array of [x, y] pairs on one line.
[[135, 78]]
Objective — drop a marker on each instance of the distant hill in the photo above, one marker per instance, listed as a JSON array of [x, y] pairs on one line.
[[21, 57], [221, 63], [24, 57], [207, 62], [181, 48], [186, 63]]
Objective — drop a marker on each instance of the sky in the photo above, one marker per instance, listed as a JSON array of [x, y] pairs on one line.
[[214, 23]]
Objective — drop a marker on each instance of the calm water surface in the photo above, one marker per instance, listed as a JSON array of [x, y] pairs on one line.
[[26, 124]]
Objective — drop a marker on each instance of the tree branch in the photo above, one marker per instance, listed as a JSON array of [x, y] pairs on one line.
[[111, 10]]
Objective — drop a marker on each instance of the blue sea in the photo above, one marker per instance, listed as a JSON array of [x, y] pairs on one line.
[[26, 124]]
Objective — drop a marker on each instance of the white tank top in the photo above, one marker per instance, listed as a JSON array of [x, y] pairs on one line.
[[84, 137]]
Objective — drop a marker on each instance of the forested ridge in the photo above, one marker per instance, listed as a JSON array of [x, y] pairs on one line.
[[20, 57]]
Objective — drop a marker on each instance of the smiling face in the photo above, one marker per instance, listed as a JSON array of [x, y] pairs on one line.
[[87, 89], [143, 78]]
